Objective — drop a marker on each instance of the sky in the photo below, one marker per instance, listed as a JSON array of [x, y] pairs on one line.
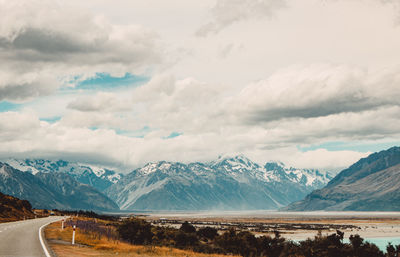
[[311, 83]]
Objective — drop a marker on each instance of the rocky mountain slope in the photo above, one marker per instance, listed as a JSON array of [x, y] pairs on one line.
[[52, 190], [371, 184], [12, 208], [226, 184], [97, 177]]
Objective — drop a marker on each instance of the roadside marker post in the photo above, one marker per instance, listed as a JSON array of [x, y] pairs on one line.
[[73, 235], [62, 224]]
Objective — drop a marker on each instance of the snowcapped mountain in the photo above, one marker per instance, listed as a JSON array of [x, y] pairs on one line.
[[99, 178], [311, 178], [52, 190], [231, 183]]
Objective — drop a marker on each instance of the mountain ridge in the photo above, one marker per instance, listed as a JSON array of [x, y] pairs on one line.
[[52, 190], [370, 184], [95, 176], [227, 183]]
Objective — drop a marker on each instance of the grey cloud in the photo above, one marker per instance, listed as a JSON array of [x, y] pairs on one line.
[[49, 45], [46, 42], [25, 91], [21, 87], [318, 109], [368, 125]]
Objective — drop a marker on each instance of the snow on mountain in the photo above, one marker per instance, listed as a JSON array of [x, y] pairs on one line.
[[234, 183], [52, 190], [19, 165], [99, 178], [228, 183], [308, 177]]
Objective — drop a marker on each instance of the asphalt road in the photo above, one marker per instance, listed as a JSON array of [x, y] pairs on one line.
[[21, 238]]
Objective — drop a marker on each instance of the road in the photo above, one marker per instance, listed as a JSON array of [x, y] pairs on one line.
[[21, 238]]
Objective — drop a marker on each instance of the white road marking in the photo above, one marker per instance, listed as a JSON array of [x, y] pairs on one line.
[[46, 252]]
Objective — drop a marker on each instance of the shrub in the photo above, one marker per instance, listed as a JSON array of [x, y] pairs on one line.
[[135, 231]]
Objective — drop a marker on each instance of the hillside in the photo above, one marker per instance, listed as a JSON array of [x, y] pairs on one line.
[[12, 208], [52, 190], [371, 184]]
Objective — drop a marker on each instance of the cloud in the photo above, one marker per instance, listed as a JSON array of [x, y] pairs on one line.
[[27, 137], [227, 12], [107, 127], [324, 158], [20, 87], [47, 39], [101, 102], [172, 104], [45, 45], [318, 91]]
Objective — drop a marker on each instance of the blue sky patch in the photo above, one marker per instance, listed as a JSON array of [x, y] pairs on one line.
[[351, 146], [51, 119], [137, 133], [173, 135], [6, 106], [105, 81]]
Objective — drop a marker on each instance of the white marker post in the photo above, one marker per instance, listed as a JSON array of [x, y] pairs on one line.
[[62, 225], [73, 235]]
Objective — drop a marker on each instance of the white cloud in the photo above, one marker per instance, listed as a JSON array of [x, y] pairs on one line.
[[44, 45], [186, 104], [227, 12], [215, 120], [100, 102]]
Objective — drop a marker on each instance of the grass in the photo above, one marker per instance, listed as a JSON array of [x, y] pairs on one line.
[[89, 244]]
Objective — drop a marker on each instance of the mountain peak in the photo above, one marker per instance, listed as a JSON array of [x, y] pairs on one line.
[[279, 166], [162, 166], [238, 161]]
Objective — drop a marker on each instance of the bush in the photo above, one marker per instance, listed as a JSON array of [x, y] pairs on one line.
[[187, 228], [135, 231], [244, 243], [207, 233]]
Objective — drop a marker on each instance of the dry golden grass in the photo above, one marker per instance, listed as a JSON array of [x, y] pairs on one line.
[[105, 247], [68, 250]]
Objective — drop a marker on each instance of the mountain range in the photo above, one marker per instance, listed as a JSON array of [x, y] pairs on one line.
[[371, 184], [232, 183]]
